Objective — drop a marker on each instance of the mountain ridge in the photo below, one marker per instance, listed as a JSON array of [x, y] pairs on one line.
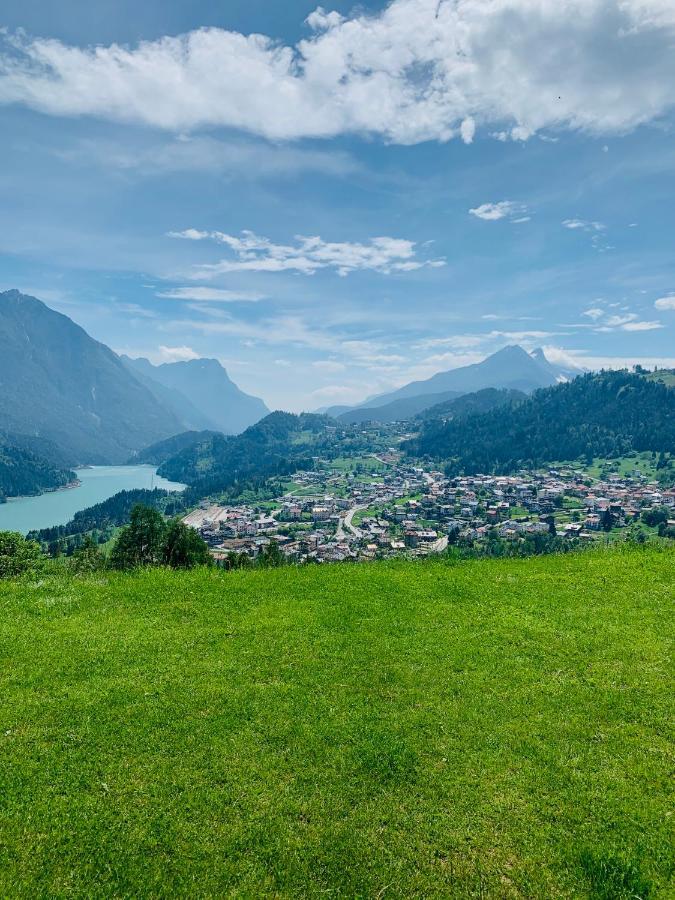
[[204, 383], [510, 368], [59, 383]]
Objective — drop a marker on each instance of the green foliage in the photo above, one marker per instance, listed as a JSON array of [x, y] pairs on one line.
[[17, 555], [149, 541], [88, 557], [270, 557], [22, 472], [159, 452], [183, 548], [496, 728], [235, 560], [521, 548], [103, 518], [606, 414], [141, 542], [269, 448], [657, 516]]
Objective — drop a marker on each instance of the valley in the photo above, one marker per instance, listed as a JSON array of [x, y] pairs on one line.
[[337, 450], [501, 457]]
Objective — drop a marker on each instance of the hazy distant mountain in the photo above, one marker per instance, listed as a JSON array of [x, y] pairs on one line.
[[397, 410], [58, 383], [191, 418], [510, 368], [206, 386]]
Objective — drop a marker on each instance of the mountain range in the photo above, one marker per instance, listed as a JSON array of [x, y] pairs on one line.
[[64, 396], [511, 368], [201, 393], [57, 382]]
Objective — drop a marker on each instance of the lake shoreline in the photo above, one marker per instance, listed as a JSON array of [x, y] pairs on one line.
[[63, 487], [94, 485]]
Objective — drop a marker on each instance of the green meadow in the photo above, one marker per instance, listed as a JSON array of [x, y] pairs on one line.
[[483, 729]]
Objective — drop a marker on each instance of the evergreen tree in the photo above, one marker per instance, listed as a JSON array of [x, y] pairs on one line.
[[88, 557], [140, 543], [183, 548], [271, 557]]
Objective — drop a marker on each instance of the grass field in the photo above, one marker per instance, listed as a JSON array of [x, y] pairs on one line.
[[645, 463], [488, 729]]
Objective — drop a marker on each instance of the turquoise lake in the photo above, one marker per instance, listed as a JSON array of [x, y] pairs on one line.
[[97, 484]]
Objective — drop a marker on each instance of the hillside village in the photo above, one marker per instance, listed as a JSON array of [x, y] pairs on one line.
[[382, 505]]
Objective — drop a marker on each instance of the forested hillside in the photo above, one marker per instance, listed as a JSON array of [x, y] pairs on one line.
[[471, 404], [605, 414], [23, 472], [279, 443], [160, 451]]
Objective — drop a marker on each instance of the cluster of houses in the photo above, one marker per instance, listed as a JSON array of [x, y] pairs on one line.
[[332, 515]]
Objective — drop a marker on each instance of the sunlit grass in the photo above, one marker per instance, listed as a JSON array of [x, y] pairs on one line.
[[493, 728]]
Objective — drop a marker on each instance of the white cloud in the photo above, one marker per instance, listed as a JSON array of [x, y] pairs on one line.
[[505, 209], [176, 354], [232, 158], [641, 326], [320, 20], [595, 229], [418, 70], [618, 320], [594, 313], [580, 224], [328, 365], [252, 253], [468, 130], [341, 393], [625, 321], [135, 311], [211, 295], [664, 303]]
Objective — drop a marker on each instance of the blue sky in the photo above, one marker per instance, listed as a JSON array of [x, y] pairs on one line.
[[358, 199]]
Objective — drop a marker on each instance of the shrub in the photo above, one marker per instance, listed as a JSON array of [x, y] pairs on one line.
[[17, 555]]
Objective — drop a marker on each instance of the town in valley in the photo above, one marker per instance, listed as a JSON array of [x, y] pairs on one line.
[[381, 504]]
